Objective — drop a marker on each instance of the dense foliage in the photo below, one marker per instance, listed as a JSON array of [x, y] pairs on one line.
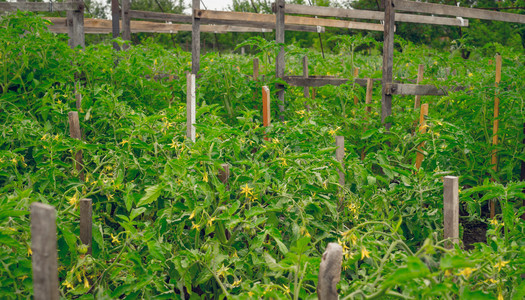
[[166, 227]]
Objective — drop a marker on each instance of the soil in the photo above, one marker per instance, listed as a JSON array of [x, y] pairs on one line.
[[474, 231]]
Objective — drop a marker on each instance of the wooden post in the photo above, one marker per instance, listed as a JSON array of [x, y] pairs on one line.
[[44, 247], [280, 63], [255, 69], [451, 210], [78, 96], [224, 174], [422, 129], [190, 107], [306, 91], [388, 61], [369, 90], [494, 158], [126, 22], [420, 71], [115, 22], [195, 38], [74, 132], [75, 21], [356, 74], [266, 106], [86, 223], [330, 272], [339, 156]]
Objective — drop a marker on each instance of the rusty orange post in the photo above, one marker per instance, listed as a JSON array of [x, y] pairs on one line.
[[422, 129]]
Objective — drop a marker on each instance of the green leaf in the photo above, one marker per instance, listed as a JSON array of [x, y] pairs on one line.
[[455, 262], [414, 269], [136, 212], [155, 250], [152, 193]]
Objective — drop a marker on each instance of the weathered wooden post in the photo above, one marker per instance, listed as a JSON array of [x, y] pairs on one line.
[[369, 91], [266, 106], [74, 132], [280, 62], [195, 38], [224, 174], [494, 158], [451, 210], [330, 272], [420, 71], [388, 61], [190, 107], [306, 90], [44, 247], [422, 129], [356, 75], [78, 96], [115, 22], [126, 22], [75, 22], [339, 156], [86, 223]]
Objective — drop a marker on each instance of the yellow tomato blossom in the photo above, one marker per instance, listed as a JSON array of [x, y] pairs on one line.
[[205, 177], [114, 239], [501, 264], [246, 190], [67, 284], [86, 283], [364, 253], [210, 221], [466, 272], [195, 226], [192, 215]]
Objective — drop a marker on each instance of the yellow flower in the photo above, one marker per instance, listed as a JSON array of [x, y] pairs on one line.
[[155, 62], [44, 137], [466, 272], [500, 296], [501, 264], [494, 222], [235, 254], [286, 289], [470, 74], [246, 190], [448, 273], [491, 280], [435, 62], [353, 239], [195, 226], [29, 252], [407, 64], [73, 200], [211, 60], [223, 271], [236, 283], [56, 137], [114, 239], [364, 253], [283, 162], [86, 283], [124, 142], [205, 177], [67, 284], [250, 294], [192, 214], [300, 112], [210, 221], [275, 141]]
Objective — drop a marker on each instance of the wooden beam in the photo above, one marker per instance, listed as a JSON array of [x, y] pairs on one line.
[[76, 30], [237, 18], [388, 61], [495, 128], [126, 22], [413, 89], [330, 272], [40, 6], [451, 210], [313, 81], [115, 22], [159, 16], [190, 107], [195, 38], [369, 15], [465, 12], [279, 61], [369, 93]]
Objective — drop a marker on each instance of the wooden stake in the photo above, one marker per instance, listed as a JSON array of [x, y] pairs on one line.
[[494, 158], [190, 107], [78, 96], [330, 272], [339, 156], [369, 90], [224, 174], [195, 38], [75, 20], [74, 132], [451, 210], [255, 69], [86, 222], [388, 61], [306, 91], [280, 62], [126, 22], [420, 71], [115, 22], [44, 247], [266, 106], [356, 74], [422, 129]]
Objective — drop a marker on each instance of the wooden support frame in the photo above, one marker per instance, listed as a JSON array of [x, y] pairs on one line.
[[266, 106], [388, 61], [340, 156], [76, 29], [75, 132], [280, 62], [41, 6], [115, 22], [126, 22], [159, 16], [369, 15], [420, 72]]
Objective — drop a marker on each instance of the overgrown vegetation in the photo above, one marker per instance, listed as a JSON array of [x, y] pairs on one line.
[[166, 227]]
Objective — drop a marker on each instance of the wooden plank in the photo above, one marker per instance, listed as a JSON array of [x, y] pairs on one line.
[[115, 22], [306, 90], [190, 107], [369, 91], [340, 156], [195, 38], [465, 12], [279, 61], [243, 18], [313, 81], [76, 30], [388, 61], [369, 15], [356, 74], [413, 89], [86, 223], [422, 129], [266, 106], [330, 272], [256, 69], [126, 22], [159, 16], [40, 6], [451, 210], [74, 132], [495, 128], [44, 247], [420, 71]]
